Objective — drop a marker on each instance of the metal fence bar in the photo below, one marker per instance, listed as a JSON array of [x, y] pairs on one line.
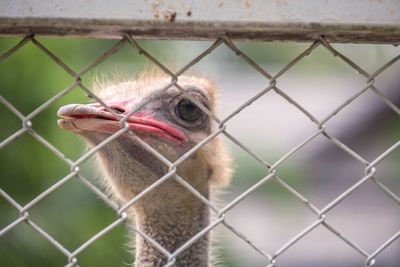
[[384, 155], [387, 190], [300, 21], [242, 196], [114, 49], [15, 48], [49, 238], [347, 102], [294, 61], [346, 193], [98, 192], [345, 148], [49, 190], [369, 261], [53, 57], [298, 237], [245, 239], [345, 239], [45, 105], [13, 224], [296, 148], [98, 235], [12, 137], [11, 108], [49, 146], [364, 73], [148, 189], [197, 237]]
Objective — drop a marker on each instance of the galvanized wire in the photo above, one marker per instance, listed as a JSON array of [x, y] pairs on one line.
[[271, 258]]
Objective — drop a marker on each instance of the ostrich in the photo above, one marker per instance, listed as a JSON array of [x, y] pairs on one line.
[[171, 124]]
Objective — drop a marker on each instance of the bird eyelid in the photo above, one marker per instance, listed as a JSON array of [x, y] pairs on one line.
[[197, 94]]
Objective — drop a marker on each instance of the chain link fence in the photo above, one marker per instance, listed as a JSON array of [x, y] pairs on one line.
[[321, 215]]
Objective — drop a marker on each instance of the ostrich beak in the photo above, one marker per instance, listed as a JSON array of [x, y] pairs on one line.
[[95, 118]]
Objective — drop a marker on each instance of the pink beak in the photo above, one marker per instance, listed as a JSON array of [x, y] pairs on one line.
[[95, 118]]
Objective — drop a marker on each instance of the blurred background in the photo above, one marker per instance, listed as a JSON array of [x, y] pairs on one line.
[[270, 127]]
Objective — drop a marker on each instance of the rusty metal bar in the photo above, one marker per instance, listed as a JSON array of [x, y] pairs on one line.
[[292, 20]]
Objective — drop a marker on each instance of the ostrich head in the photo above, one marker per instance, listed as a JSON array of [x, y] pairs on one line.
[[172, 124]]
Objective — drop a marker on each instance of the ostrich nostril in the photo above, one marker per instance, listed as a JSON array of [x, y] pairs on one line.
[[118, 110]]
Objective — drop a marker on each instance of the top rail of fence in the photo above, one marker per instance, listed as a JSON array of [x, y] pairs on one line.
[[357, 21]]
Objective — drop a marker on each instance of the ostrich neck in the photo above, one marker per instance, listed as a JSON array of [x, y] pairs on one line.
[[172, 224]]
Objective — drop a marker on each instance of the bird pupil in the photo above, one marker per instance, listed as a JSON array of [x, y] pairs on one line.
[[188, 111], [190, 107]]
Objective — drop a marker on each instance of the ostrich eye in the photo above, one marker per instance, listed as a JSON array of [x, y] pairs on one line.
[[187, 111]]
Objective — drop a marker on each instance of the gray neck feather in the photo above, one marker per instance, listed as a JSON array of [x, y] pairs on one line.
[[172, 225]]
